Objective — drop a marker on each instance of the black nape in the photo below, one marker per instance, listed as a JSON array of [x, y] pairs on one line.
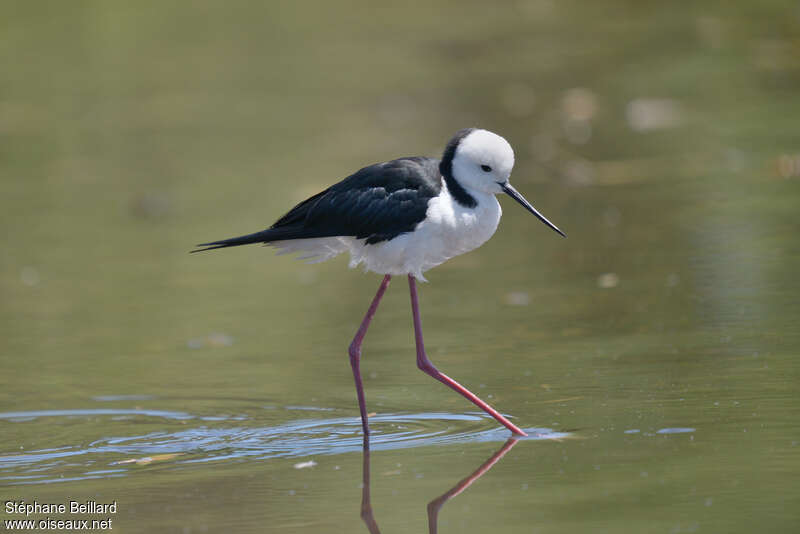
[[446, 169]]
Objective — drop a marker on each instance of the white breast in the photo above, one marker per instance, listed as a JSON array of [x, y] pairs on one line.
[[449, 229]]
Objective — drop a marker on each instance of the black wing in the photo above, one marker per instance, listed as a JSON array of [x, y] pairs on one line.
[[377, 203]]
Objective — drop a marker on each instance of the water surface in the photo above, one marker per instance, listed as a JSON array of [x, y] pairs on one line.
[[653, 354]]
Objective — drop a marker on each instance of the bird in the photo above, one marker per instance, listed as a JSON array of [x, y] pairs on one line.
[[401, 218]]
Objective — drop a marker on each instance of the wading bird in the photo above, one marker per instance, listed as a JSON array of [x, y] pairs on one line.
[[403, 217]]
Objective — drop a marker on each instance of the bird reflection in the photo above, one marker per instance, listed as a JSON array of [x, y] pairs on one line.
[[436, 504]]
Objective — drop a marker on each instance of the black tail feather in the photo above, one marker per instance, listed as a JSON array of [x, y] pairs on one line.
[[264, 236]]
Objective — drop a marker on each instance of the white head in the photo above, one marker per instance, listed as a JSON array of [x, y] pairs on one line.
[[481, 161]]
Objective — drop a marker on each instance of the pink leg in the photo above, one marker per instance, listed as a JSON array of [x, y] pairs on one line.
[[427, 366], [355, 351]]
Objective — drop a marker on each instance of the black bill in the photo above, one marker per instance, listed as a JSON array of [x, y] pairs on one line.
[[513, 193]]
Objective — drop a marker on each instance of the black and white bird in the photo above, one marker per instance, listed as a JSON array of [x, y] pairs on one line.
[[403, 217]]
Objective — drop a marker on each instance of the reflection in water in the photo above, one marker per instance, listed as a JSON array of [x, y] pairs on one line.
[[436, 504], [366, 501]]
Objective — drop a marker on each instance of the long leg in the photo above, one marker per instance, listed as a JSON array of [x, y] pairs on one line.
[[355, 351], [427, 366]]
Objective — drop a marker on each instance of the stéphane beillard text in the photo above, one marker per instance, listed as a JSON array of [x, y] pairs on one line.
[[72, 507]]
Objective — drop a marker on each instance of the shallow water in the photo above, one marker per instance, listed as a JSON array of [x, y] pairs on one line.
[[653, 355], [201, 443]]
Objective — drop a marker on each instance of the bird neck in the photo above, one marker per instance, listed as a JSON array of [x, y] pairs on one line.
[[458, 192]]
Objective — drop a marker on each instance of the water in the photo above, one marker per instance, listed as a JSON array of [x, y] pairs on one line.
[[653, 354]]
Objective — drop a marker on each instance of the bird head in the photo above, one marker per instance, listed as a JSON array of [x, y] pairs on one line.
[[480, 160]]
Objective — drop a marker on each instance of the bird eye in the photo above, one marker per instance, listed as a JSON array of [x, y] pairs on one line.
[[486, 168]]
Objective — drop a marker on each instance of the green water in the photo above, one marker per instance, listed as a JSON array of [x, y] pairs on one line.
[[655, 350]]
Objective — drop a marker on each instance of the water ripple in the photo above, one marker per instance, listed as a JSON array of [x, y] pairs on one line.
[[111, 456]]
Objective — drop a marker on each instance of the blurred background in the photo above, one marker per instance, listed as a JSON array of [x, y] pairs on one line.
[[662, 336]]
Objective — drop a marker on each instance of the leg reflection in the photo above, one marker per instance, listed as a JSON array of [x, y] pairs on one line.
[[436, 504], [366, 502]]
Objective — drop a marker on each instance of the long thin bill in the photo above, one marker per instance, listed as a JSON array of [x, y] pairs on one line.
[[513, 193]]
